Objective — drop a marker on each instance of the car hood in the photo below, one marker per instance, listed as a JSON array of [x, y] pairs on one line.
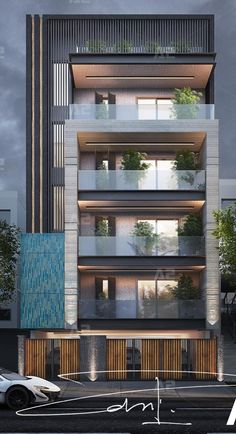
[[37, 381]]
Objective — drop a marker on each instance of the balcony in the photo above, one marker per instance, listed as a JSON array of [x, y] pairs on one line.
[[140, 112], [141, 246], [126, 180], [141, 309]]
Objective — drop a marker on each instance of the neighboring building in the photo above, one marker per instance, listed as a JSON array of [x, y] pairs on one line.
[[95, 299], [9, 211], [227, 192]]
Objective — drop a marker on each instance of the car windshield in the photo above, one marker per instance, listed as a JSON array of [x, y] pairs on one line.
[[12, 376]]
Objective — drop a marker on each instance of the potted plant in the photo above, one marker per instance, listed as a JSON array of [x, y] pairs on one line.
[[191, 227], [145, 240], [182, 47], [185, 289], [95, 46], [123, 47], [185, 103], [102, 231], [134, 166], [153, 47], [187, 162]]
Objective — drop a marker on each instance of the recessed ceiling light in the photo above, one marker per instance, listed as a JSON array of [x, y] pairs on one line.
[[138, 144], [139, 77], [146, 208]]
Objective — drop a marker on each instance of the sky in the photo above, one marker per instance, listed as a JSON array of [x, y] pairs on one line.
[[13, 81]]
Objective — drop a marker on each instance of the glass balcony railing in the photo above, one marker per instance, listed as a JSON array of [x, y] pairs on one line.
[[141, 180], [143, 309], [141, 111], [140, 246]]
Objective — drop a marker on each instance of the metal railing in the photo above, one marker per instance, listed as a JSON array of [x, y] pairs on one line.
[[143, 309], [140, 246], [141, 180]]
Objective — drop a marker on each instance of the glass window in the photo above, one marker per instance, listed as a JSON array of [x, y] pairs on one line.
[[154, 108], [165, 288], [147, 108], [164, 108], [5, 214], [105, 287]]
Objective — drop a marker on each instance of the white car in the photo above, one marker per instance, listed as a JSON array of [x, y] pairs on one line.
[[17, 391]]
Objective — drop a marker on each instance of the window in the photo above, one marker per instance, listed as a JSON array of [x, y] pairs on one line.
[[5, 314], [155, 289], [159, 175], [154, 108], [167, 231], [105, 288], [166, 228], [5, 214]]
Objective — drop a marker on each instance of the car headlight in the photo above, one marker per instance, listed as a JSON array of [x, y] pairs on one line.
[[41, 388]]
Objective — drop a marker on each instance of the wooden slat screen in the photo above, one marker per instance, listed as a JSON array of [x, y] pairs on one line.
[[171, 359], [205, 351], [150, 359], [116, 359], [69, 357], [35, 357]]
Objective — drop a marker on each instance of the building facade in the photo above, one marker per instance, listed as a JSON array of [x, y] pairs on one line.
[[111, 284]]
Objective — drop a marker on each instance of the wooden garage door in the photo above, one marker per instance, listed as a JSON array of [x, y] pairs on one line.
[[150, 359], [35, 357], [116, 359], [205, 354], [69, 357]]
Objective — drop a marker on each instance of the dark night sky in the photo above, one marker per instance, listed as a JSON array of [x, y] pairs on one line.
[[12, 70]]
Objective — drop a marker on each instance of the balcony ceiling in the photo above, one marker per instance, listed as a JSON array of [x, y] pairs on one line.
[[164, 208], [148, 142], [114, 76]]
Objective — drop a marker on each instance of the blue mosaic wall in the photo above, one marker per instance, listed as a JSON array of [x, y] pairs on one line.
[[42, 281]]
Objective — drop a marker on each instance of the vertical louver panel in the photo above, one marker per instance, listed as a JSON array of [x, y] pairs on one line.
[[205, 351], [35, 357], [116, 359], [70, 358], [150, 359]]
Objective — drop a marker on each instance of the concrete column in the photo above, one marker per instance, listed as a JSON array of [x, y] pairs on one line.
[[21, 354], [211, 277], [93, 357]]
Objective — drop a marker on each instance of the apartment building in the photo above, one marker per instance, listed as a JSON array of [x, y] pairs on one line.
[[112, 283]]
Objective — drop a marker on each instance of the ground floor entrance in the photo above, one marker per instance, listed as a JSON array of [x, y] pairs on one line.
[[100, 358]]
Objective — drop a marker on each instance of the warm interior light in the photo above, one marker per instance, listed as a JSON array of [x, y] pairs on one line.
[[147, 208], [139, 144], [139, 77]]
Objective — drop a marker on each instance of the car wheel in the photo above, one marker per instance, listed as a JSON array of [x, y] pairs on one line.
[[17, 398]]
